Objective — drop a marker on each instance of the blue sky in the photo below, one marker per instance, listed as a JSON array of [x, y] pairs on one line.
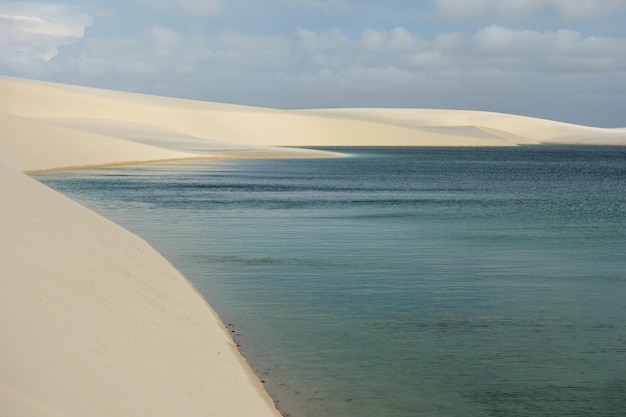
[[557, 59]]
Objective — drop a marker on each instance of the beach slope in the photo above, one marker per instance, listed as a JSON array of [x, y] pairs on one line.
[[97, 323]]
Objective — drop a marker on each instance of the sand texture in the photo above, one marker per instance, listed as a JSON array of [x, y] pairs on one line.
[[95, 322]]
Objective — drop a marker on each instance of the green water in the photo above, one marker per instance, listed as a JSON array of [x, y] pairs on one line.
[[402, 281]]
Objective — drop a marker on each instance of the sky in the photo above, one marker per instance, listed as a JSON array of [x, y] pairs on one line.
[[556, 59]]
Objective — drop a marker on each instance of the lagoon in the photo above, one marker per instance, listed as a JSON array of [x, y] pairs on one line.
[[401, 281]]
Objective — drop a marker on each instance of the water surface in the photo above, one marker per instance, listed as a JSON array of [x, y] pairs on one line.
[[402, 281]]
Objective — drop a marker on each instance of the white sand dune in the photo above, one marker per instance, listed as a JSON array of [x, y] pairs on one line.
[[205, 128], [95, 321], [516, 129]]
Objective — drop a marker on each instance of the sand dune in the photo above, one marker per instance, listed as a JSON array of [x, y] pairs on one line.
[[34, 145], [176, 124], [517, 129], [95, 321]]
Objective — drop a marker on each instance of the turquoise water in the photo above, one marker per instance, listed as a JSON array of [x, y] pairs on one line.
[[402, 281]]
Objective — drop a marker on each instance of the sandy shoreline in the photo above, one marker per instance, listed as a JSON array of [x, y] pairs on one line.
[[250, 155], [99, 323]]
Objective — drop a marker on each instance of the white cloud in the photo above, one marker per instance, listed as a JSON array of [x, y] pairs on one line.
[[375, 40], [38, 29], [518, 9], [164, 55], [17, 18], [490, 45], [398, 40], [565, 50], [402, 40]]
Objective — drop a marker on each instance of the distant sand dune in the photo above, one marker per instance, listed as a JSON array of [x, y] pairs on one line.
[[95, 321], [517, 129], [209, 128]]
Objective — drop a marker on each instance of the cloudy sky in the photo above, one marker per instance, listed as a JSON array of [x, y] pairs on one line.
[[557, 59]]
